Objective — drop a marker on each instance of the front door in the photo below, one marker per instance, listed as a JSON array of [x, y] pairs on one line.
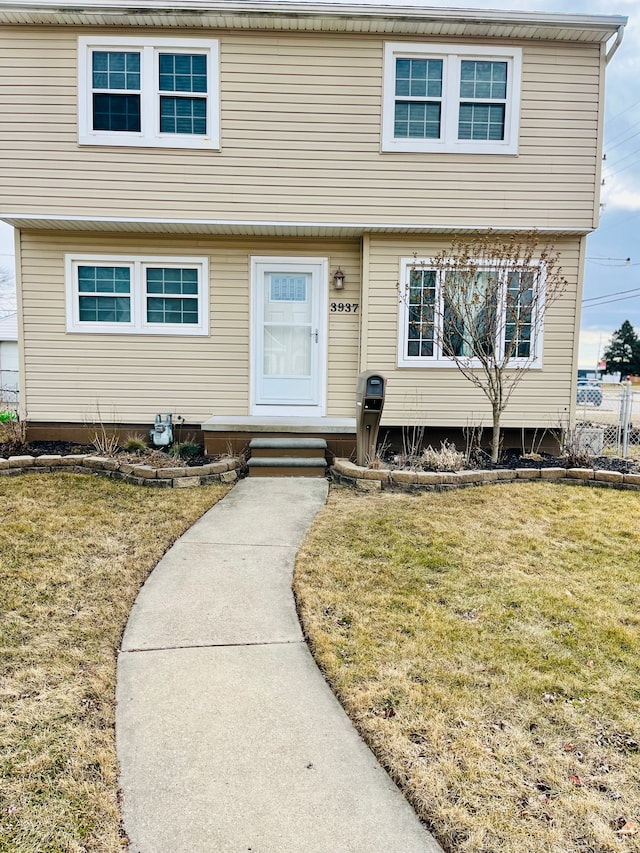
[[289, 336]]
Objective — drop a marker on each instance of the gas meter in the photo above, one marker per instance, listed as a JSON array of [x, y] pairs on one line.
[[162, 433]]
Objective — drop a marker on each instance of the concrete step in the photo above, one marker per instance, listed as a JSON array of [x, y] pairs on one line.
[[286, 466], [300, 448]]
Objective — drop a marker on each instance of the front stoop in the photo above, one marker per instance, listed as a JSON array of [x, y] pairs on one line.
[[287, 457]]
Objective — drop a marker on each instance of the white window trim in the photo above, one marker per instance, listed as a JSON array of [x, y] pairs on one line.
[[149, 135], [138, 324], [438, 359], [451, 55]]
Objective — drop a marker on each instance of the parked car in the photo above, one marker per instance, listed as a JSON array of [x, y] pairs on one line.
[[589, 392]]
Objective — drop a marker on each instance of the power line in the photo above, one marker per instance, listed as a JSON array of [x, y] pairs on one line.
[[626, 110], [610, 146], [609, 302], [617, 262], [604, 227], [613, 266], [615, 293], [616, 163]]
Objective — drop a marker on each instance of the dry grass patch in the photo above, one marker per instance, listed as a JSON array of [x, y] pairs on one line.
[[74, 551], [486, 642]]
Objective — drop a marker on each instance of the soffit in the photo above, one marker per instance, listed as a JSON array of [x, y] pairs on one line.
[[314, 17], [227, 228]]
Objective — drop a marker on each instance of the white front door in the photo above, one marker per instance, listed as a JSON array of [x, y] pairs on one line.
[[289, 335]]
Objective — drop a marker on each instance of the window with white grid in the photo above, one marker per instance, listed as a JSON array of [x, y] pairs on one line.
[[495, 314], [451, 98], [148, 92], [118, 294]]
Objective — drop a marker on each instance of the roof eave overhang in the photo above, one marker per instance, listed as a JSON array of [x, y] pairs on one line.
[[257, 228], [314, 17]]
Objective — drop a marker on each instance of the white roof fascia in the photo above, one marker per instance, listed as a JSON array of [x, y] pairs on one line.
[[258, 227], [296, 15]]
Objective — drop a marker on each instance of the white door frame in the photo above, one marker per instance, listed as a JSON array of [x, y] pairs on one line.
[[293, 263]]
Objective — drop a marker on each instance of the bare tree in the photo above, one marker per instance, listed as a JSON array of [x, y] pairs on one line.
[[481, 303]]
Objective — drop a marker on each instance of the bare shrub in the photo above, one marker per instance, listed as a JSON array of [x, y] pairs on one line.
[[412, 444], [104, 443], [577, 451], [445, 459], [473, 452], [378, 459]]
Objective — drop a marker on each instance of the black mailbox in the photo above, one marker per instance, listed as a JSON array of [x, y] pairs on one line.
[[374, 392], [370, 391]]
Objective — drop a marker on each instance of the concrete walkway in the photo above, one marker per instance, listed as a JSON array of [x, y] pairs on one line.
[[228, 737]]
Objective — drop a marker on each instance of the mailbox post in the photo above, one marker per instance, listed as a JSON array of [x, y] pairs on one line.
[[370, 390]]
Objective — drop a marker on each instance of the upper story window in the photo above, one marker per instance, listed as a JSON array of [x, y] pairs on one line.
[[451, 98], [142, 295], [151, 92]]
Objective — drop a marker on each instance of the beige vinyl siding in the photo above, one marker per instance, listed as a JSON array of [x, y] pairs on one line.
[[69, 377], [300, 122], [441, 396]]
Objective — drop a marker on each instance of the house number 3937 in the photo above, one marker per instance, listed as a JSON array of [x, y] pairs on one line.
[[344, 307]]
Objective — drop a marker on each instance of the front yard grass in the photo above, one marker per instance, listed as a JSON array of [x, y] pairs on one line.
[[74, 550], [486, 643]]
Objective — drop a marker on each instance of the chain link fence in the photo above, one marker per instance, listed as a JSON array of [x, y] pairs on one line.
[[608, 419], [8, 387]]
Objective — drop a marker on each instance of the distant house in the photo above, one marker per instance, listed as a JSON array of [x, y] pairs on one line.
[[9, 359], [216, 203]]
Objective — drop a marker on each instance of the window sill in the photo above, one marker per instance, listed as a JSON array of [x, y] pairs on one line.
[[447, 364], [139, 141], [408, 146], [108, 329]]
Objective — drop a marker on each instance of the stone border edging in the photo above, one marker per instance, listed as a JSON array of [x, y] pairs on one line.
[[373, 479], [224, 471]]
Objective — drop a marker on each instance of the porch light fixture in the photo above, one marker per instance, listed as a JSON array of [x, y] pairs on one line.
[[338, 279]]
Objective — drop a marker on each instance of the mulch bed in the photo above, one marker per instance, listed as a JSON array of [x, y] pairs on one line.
[[511, 459], [68, 448]]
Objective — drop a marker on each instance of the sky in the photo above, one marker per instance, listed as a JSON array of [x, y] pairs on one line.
[[612, 275]]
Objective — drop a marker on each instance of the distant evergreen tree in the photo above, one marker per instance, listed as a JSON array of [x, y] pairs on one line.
[[623, 353]]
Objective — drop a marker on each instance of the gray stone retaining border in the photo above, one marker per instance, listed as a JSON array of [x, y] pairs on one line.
[[224, 471], [375, 479]]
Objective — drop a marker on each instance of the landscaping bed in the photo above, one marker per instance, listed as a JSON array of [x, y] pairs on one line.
[[378, 478], [447, 458], [180, 465], [138, 471], [160, 457]]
